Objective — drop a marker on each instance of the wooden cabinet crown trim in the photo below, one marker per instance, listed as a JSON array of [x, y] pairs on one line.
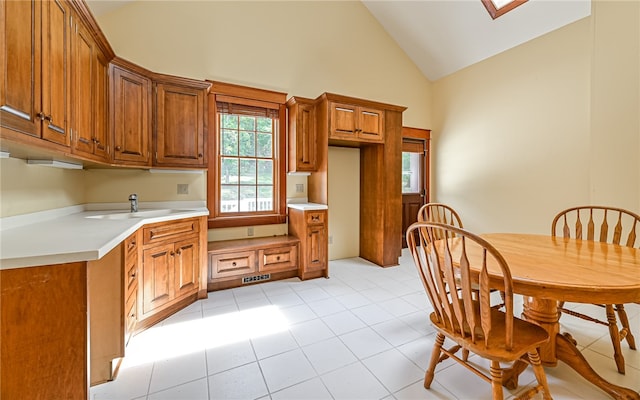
[[360, 102]]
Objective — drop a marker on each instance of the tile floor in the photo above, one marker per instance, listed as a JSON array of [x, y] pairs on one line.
[[362, 334]]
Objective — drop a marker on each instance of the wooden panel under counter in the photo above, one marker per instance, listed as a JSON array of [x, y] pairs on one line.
[[232, 260]]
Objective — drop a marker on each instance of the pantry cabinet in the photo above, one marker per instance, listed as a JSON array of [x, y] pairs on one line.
[[130, 113], [89, 96], [180, 122], [303, 141], [35, 89]]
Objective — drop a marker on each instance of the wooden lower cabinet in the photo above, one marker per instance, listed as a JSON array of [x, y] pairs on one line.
[[310, 226], [239, 262], [43, 352], [171, 267]]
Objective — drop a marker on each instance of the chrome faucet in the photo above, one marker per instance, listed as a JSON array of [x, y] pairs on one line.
[[133, 198]]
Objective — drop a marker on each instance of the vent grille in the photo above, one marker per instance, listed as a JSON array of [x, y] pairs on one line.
[[256, 278]]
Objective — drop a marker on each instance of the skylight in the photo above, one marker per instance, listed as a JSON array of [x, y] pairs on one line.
[[497, 8]]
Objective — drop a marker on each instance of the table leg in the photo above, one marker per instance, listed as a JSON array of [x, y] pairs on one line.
[[545, 313]]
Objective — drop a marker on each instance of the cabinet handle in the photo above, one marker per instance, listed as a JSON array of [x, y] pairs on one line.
[[118, 148], [199, 155], [40, 115], [178, 252], [48, 118], [172, 254]]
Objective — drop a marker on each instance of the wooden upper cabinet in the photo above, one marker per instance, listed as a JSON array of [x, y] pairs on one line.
[[303, 140], [356, 123], [89, 96], [130, 114], [180, 122], [35, 80]]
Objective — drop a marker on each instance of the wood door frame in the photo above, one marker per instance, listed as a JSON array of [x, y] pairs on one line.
[[420, 137]]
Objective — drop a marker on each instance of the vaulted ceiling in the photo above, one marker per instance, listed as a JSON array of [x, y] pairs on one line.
[[444, 36]]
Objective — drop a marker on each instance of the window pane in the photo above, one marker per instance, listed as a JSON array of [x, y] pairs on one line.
[[411, 172], [265, 125], [265, 198], [248, 198], [247, 144], [248, 123], [229, 121], [265, 172], [229, 145], [265, 145], [247, 171], [229, 198], [229, 171]]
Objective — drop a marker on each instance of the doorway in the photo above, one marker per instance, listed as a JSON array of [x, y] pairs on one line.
[[415, 175]]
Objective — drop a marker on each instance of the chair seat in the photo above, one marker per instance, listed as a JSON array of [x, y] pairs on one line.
[[529, 336]]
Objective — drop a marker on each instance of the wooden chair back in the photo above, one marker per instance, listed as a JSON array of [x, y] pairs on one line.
[[460, 295], [439, 212], [598, 223]]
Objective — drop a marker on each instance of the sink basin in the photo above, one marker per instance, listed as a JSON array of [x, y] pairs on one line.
[[138, 214]]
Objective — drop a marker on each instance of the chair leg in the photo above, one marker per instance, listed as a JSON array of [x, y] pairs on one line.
[[538, 370], [435, 357], [496, 380], [615, 338], [624, 320]]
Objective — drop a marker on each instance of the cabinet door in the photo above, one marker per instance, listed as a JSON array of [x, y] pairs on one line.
[[82, 70], [179, 125], [101, 106], [343, 121], [306, 139], [130, 116], [157, 287], [316, 247], [20, 77], [186, 267], [371, 124], [55, 71]]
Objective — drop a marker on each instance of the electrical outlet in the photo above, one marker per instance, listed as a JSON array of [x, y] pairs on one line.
[[330, 239], [183, 188], [250, 231], [299, 188]]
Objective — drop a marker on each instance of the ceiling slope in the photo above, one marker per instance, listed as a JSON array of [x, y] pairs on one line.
[[444, 36]]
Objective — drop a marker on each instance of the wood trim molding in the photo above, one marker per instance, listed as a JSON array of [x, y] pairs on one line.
[[496, 12]]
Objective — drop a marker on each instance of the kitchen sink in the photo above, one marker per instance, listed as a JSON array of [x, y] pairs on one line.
[[137, 214]]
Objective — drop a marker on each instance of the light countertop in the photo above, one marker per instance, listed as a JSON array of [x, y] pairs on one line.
[[307, 206], [79, 233]]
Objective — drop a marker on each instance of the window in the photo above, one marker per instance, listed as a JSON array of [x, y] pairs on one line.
[[497, 8], [246, 176]]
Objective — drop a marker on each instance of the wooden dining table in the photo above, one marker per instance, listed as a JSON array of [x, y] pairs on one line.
[[548, 269]]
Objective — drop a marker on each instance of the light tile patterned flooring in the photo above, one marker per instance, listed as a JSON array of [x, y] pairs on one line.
[[362, 334]]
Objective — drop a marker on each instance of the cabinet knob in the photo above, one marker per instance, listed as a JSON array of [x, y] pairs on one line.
[[48, 118], [278, 258], [40, 115], [118, 148], [172, 254], [199, 155], [233, 264]]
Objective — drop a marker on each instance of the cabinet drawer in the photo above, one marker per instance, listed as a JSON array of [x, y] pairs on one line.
[[316, 217], [278, 259], [170, 230], [230, 264], [130, 277], [131, 245], [130, 316]]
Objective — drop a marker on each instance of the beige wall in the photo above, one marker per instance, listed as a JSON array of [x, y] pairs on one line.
[[344, 199], [31, 188], [546, 125]]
